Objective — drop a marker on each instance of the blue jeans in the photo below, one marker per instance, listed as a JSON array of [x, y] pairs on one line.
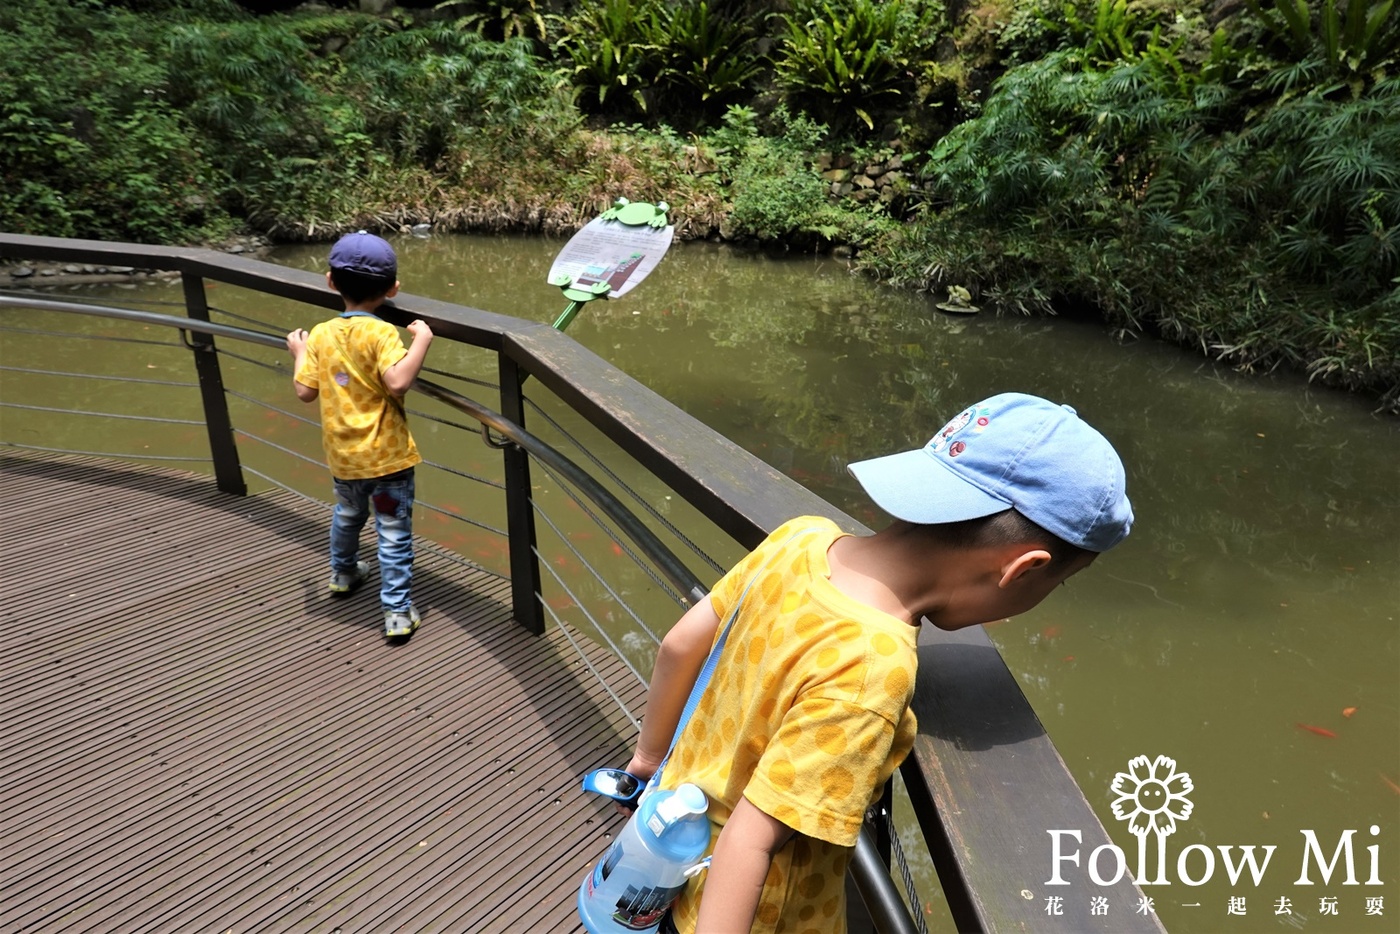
[[392, 498]]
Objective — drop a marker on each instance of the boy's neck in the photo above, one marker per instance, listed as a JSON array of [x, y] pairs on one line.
[[876, 571], [370, 307], [906, 575]]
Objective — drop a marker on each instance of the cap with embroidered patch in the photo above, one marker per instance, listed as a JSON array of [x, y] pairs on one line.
[[1009, 451], [366, 254]]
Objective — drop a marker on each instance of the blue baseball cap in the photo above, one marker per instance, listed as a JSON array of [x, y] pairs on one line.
[[1010, 451], [366, 254]]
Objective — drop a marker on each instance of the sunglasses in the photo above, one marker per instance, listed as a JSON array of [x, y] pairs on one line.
[[622, 787]]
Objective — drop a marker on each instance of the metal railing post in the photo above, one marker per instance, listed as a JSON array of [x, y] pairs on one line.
[[520, 516], [877, 890], [884, 827], [228, 472]]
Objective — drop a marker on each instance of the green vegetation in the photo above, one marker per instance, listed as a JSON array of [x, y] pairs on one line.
[[686, 59], [1232, 183], [840, 58], [89, 147]]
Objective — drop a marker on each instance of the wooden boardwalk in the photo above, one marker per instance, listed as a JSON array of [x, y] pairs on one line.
[[195, 736]]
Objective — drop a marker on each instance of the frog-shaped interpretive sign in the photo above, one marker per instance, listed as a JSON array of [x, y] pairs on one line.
[[611, 254]]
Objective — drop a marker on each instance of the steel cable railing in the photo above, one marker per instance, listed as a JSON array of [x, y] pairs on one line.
[[98, 376], [620, 541], [873, 878], [617, 649], [135, 418], [40, 332], [641, 501]]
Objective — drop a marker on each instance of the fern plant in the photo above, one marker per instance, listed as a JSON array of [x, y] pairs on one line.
[[502, 20], [609, 47], [1355, 39], [844, 57], [709, 56], [1111, 35]]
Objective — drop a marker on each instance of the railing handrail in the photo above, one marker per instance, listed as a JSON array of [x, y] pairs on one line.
[[981, 753]]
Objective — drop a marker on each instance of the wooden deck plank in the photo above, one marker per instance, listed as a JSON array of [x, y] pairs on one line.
[[200, 738]]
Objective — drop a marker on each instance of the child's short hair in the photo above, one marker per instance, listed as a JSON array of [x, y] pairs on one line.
[[363, 266], [1010, 452], [1005, 528], [358, 287]]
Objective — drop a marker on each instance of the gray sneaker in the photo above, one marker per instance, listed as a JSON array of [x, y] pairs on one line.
[[343, 582], [399, 625]]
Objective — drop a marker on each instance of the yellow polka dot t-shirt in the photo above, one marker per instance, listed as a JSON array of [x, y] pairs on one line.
[[365, 435], [807, 715]]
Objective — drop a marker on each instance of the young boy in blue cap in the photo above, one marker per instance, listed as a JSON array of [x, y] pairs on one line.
[[359, 369], [807, 713]]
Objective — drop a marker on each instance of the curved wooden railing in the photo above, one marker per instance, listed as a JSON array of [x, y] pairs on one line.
[[986, 783]]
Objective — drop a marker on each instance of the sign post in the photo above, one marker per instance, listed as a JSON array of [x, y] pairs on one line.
[[611, 254]]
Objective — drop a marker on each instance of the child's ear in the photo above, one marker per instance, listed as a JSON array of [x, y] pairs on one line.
[[330, 283], [1022, 563], [394, 291]]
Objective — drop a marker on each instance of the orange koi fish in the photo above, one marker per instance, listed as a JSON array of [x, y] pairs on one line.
[[1393, 787], [1320, 731], [1348, 711]]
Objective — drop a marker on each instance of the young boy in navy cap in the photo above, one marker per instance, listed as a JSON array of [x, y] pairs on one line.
[[359, 369], [807, 713]]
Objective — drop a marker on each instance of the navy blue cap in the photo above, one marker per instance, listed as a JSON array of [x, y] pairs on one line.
[[366, 254]]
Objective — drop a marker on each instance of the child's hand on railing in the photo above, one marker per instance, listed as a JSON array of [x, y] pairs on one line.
[[420, 330], [296, 342]]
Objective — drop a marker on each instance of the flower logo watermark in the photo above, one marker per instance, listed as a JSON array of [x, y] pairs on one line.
[[1152, 798]]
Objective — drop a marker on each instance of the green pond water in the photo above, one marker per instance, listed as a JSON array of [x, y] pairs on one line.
[[1249, 628]]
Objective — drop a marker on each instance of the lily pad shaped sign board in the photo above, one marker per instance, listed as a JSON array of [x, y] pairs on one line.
[[612, 252]]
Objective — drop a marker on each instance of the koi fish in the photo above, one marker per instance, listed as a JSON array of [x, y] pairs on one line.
[[1050, 632], [1393, 787], [1348, 711], [617, 549], [1320, 731]]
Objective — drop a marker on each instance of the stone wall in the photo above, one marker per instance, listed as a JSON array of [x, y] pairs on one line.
[[862, 181]]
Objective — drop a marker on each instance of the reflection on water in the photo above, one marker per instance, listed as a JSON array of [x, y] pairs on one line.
[[1257, 598]]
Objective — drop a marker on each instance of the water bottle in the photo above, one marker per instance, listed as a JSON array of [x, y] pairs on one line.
[[645, 869]]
